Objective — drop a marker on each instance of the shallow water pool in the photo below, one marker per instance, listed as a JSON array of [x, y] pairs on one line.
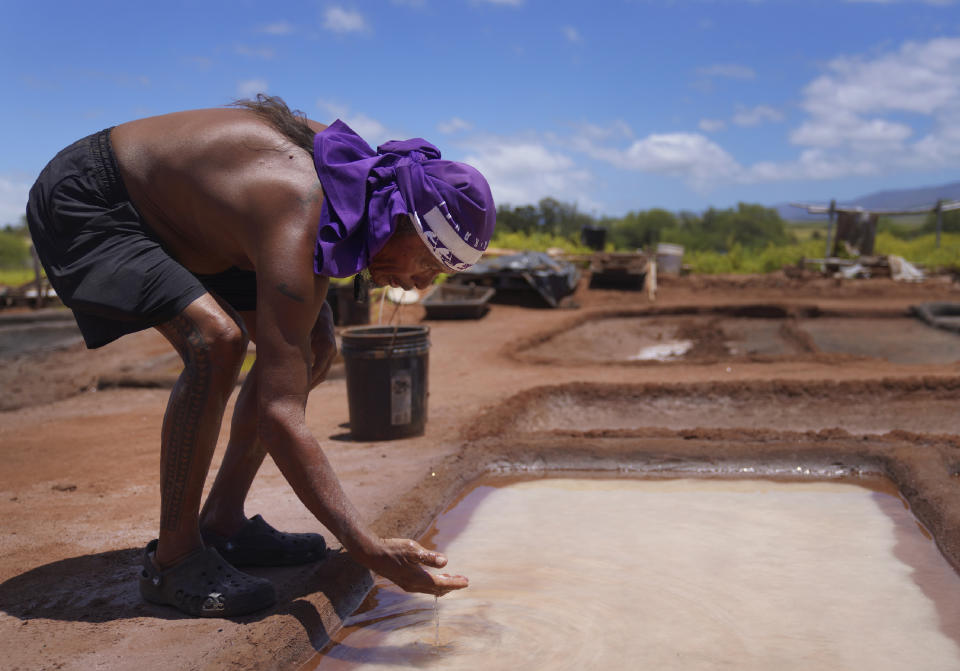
[[671, 574]]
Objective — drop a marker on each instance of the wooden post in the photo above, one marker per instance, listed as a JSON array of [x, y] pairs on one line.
[[939, 220], [650, 279], [833, 208]]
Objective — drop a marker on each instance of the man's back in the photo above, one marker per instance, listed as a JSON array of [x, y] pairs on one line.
[[211, 183]]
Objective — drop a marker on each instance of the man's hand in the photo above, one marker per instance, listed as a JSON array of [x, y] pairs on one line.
[[402, 561], [323, 342]]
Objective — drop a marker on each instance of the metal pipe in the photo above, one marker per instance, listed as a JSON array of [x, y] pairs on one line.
[[939, 220]]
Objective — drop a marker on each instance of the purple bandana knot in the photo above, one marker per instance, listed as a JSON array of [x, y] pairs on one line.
[[449, 203], [402, 149]]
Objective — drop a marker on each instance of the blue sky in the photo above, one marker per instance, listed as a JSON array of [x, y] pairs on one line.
[[614, 105]]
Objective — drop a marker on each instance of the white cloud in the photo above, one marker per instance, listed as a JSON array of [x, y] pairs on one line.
[[895, 111], [920, 78], [370, 129], [524, 171], [863, 117], [454, 125], [341, 20], [729, 70], [870, 108], [278, 28], [691, 156], [263, 53], [248, 88], [712, 125], [615, 130], [335, 109], [812, 164], [14, 191], [754, 116], [572, 34], [844, 129]]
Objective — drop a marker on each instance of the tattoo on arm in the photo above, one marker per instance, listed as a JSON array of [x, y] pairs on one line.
[[289, 293], [309, 200]]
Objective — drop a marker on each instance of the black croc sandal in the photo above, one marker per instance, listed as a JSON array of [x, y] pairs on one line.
[[204, 585], [259, 544]]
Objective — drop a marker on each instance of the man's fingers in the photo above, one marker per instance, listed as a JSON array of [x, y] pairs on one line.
[[415, 577], [450, 582], [430, 558]]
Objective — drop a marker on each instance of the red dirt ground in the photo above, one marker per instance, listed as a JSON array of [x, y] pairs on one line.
[[79, 495]]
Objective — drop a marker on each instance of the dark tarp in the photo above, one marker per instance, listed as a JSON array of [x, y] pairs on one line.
[[520, 277], [942, 315]]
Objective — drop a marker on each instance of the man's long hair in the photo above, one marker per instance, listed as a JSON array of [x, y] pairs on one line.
[[273, 110]]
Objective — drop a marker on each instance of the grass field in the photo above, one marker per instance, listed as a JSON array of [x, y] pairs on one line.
[[15, 277], [810, 244]]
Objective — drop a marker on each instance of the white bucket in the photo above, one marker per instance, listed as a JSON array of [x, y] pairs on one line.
[[669, 258]]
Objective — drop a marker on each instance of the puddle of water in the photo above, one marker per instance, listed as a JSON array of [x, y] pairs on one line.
[[658, 338], [18, 339], [905, 341], [750, 336], [681, 574], [614, 339], [663, 352]]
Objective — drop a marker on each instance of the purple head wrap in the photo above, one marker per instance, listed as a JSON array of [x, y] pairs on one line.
[[449, 203]]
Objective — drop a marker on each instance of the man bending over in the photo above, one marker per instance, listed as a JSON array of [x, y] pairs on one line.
[[220, 226]]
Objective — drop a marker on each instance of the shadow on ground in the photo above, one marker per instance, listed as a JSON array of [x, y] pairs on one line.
[[103, 587]]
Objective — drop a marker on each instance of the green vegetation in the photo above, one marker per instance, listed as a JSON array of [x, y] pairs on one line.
[[14, 249], [16, 266], [746, 239], [743, 260], [807, 231], [536, 241], [922, 250], [15, 277]]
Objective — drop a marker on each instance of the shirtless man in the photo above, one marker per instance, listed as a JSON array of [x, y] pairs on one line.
[[222, 225]]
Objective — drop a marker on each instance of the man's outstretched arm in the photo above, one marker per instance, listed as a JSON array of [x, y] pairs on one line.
[[289, 301]]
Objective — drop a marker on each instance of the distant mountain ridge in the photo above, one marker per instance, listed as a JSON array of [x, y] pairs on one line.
[[889, 199]]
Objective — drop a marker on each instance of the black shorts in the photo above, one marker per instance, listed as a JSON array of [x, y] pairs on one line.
[[236, 286], [102, 259]]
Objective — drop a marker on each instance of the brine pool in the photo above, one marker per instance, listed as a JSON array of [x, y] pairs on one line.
[[670, 574]]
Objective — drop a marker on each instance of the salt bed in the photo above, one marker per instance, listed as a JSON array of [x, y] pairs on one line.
[[671, 574]]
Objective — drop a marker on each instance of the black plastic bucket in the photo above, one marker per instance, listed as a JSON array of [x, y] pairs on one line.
[[594, 238], [386, 380]]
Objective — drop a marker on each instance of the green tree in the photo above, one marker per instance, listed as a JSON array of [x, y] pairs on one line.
[[549, 216], [638, 230], [524, 219], [749, 226], [14, 250], [951, 222], [562, 219]]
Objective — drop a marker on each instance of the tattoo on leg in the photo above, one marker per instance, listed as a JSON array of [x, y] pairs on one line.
[[181, 423]]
